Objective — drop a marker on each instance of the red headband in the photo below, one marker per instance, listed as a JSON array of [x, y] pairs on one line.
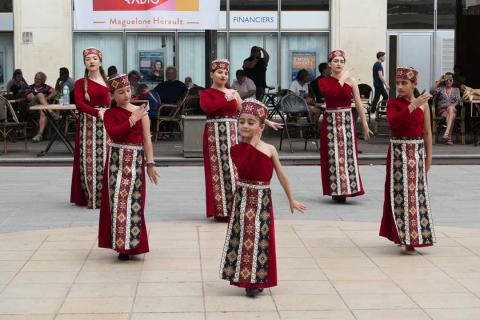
[[118, 82], [336, 53], [407, 74], [92, 50], [254, 108], [220, 64]]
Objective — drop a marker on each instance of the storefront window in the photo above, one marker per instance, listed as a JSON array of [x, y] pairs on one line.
[[305, 5], [254, 5], [110, 44], [223, 5], [145, 49], [410, 14], [6, 58], [6, 6], [446, 14], [221, 45], [240, 46], [310, 48], [192, 57]]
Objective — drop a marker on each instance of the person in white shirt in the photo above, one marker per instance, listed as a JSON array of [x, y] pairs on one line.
[[244, 85], [299, 87]]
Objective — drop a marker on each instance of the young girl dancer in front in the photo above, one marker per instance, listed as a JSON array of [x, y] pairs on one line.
[[249, 259], [407, 218], [122, 221]]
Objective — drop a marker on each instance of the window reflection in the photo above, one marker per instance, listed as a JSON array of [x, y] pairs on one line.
[[410, 14], [254, 5], [305, 5]]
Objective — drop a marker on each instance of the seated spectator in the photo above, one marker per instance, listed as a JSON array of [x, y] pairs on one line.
[[156, 75], [244, 85], [299, 87], [189, 83], [134, 79], [172, 89], [314, 88], [111, 71], [153, 100], [17, 86], [65, 80], [447, 99], [40, 93]]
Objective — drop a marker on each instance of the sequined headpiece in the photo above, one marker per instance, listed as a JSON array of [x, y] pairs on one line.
[[254, 108], [220, 64], [117, 82], [92, 50], [336, 53], [407, 74]]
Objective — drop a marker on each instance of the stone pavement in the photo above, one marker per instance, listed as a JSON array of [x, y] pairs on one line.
[[327, 270]]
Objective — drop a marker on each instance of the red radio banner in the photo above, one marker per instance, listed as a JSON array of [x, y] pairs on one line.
[[145, 5]]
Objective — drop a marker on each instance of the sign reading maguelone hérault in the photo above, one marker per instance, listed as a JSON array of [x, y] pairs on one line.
[[146, 14]]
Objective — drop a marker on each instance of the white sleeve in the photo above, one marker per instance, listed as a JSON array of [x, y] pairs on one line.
[[251, 85], [294, 87]]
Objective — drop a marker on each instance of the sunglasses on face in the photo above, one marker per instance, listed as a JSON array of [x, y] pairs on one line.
[[449, 79]]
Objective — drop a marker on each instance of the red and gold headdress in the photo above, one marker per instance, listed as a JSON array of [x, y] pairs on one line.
[[220, 64], [336, 53], [254, 108], [92, 50], [118, 82], [407, 74]]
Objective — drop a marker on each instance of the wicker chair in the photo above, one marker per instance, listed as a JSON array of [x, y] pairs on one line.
[[11, 125]]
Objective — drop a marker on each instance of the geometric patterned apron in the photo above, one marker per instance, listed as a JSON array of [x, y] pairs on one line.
[[93, 151], [246, 253], [125, 193], [222, 135], [344, 176], [409, 192]]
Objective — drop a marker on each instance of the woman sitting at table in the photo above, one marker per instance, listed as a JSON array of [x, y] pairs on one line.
[[447, 100], [299, 87]]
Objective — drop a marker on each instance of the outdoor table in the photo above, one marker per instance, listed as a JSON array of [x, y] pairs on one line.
[[56, 125], [474, 117]]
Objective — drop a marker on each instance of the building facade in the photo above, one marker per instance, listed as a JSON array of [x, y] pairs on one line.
[[295, 33]]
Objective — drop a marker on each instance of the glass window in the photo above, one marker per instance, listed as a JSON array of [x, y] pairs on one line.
[[240, 46], [254, 5], [313, 44], [6, 58], [111, 45], [305, 5], [144, 49], [192, 57], [6, 6], [410, 14], [223, 5], [221, 45], [446, 14]]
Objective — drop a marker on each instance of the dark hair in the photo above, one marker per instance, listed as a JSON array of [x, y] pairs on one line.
[[449, 73], [18, 72], [112, 70], [303, 73], [240, 73], [65, 70], [142, 86], [134, 73], [380, 54], [254, 49], [322, 67]]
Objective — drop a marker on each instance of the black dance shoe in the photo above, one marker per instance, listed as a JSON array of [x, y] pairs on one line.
[[123, 257], [339, 199], [253, 292]]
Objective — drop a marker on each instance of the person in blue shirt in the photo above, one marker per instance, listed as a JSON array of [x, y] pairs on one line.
[[379, 81]]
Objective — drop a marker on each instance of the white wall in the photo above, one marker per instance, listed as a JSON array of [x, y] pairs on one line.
[[360, 29], [51, 25]]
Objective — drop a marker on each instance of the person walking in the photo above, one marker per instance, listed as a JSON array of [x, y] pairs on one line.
[[379, 81]]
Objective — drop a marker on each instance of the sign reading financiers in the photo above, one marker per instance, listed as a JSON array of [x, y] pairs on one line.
[[146, 14]]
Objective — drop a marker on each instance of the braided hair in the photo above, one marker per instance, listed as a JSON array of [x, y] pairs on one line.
[[85, 81]]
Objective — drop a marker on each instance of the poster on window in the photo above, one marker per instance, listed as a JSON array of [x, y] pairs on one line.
[[146, 14], [303, 60], [151, 65]]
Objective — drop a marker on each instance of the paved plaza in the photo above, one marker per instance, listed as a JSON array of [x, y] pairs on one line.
[[331, 262]]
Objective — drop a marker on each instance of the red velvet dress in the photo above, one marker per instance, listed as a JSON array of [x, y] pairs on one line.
[[249, 259], [90, 145], [219, 136], [407, 220], [338, 142], [122, 225]]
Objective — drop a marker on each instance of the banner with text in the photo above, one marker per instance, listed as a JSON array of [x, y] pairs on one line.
[[146, 14], [303, 60]]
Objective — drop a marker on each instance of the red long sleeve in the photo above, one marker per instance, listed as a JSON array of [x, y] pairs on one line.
[[397, 115], [213, 103], [80, 102], [116, 131]]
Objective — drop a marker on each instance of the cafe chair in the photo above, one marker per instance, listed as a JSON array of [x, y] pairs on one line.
[[10, 124]]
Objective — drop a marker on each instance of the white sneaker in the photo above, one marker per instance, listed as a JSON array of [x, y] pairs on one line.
[[37, 138]]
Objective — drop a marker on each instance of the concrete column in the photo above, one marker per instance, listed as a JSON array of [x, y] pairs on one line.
[[50, 23], [360, 29]]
